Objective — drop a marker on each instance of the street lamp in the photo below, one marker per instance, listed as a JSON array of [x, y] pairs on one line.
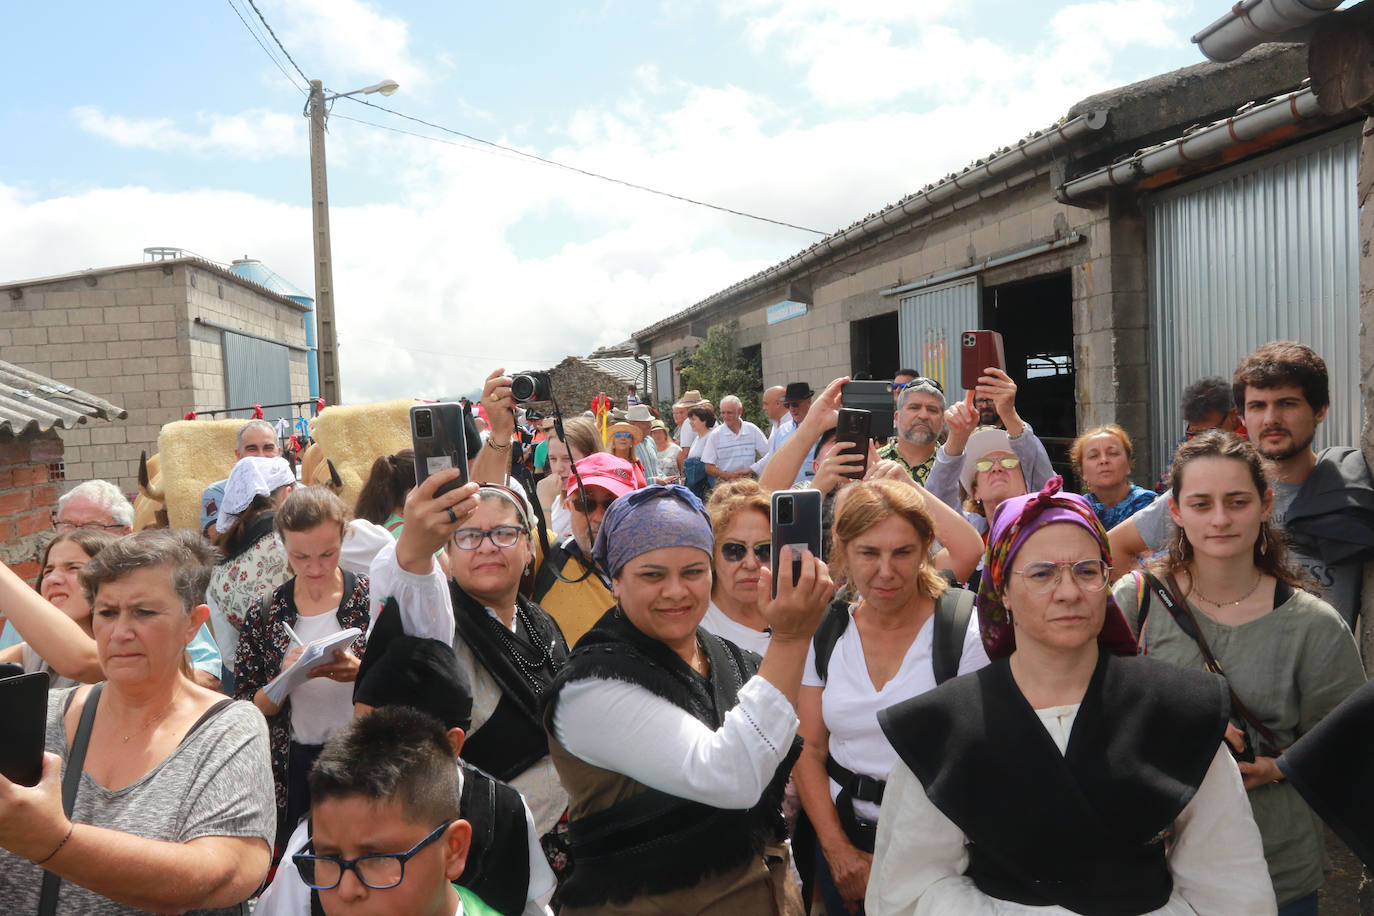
[[328, 346]]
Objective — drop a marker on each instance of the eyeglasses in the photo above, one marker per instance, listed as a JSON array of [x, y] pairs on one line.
[[583, 504], [918, 380], [1089, 575], [379, 872], [502, 536], [623, 435], [734, 551], [90, 526], [1007, 461]]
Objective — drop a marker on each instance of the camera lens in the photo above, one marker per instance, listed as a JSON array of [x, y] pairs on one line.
[[785, 511], [522, 387], [424, 424]]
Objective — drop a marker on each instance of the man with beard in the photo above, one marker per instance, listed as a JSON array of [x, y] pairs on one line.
[[1324, 502], [918, 419]]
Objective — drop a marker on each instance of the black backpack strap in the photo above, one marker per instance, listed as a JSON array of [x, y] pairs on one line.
[[832, 627], [952, 611], [71, 781]]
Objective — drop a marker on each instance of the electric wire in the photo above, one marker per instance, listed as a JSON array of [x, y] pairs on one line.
[[278, 41], [270, 56], [585, 172]]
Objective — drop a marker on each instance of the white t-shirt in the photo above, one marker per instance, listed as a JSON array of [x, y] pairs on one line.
[[320, 706], [698, 445], [850, 704], [730, 451], [726, 627], [686, 434]]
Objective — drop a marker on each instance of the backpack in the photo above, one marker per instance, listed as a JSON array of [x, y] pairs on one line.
[[952, 611]]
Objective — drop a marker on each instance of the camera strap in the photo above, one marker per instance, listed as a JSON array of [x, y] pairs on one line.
[[1168, 592], [71, 780]]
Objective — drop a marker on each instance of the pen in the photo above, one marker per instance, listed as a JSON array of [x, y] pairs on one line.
[[292, 633]]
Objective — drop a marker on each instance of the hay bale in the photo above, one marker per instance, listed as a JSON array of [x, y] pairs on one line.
[[355, 435], [194, 454]]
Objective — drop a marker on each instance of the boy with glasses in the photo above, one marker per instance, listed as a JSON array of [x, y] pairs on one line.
[[387, 833]]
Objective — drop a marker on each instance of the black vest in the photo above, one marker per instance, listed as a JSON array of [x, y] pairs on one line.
[[1085, 829], [653, 842]]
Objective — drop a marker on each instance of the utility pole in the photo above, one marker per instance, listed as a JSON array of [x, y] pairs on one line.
[[328, 342]]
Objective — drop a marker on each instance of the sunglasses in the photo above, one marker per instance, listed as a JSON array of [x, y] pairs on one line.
[[623, 435], [582, 504], [734, 551], [919, 380], [1007, 461]]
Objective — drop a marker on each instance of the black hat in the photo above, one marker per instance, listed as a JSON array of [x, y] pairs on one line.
[[797, 391], [421, 673]]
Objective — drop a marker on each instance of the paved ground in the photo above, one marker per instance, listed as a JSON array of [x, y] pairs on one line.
[[1340, 897]]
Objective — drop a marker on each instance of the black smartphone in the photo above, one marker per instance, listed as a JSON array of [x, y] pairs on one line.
[[853, 426], [795, 521], [437, 435], [876, 398], [979, 350], [24, 710]]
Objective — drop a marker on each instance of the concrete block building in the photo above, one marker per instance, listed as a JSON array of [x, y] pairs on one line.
[[1153, 235], [161, 338]]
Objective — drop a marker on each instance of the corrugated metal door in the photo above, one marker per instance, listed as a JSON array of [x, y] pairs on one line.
[[257, 372], [1264, 251], [929, 322], [663, 380]]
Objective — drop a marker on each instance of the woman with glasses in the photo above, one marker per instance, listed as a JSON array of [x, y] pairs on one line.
[[1068, 776], [582, 439], [319, 600], [1227, 599], [675, 744], [743, 546], [624, 444], [510, 648], [1101, 458], [899, 639]]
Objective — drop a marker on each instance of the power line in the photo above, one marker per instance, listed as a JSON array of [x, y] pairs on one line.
[[581, 171], [270, 56], [278, 41]]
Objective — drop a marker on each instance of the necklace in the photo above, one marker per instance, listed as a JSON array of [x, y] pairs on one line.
[[1259, 577], [534, 669], [149, 724]]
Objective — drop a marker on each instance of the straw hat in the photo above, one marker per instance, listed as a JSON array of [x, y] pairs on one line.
[[618, 428]]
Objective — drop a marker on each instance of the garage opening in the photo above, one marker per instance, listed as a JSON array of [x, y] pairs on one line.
[[1035, 319], [874, 347]]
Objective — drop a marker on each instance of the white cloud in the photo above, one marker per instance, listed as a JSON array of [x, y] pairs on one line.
[[255, 134], [344, 42]]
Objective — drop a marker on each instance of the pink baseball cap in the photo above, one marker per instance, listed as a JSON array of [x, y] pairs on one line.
[[605, 470]]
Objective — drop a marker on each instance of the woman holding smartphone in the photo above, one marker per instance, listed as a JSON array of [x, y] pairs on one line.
[[673, 743]]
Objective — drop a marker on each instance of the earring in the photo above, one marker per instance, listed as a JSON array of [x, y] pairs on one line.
[[1264, 538]]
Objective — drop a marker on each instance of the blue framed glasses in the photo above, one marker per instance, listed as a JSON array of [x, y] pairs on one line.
[[379, 872]]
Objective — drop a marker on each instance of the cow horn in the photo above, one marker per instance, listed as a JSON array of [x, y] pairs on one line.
[[335, 481], [145, 485]]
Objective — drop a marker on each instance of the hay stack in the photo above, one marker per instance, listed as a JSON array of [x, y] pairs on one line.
[[353, 436]]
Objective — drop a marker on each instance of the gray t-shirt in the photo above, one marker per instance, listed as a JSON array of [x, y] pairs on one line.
[[1290, 668], [1338, 584], [218, 782]]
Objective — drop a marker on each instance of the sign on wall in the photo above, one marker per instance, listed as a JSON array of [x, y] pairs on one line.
[[784, 310]]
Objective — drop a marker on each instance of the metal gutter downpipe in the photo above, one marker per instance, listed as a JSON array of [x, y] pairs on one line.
[[1254, 22], [644, 361], [1201, 143]]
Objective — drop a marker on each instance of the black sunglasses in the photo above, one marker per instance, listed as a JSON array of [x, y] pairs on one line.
[[918, 380], [735, 551]]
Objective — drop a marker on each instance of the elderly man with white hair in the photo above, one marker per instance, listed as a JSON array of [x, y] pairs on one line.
[[734, 444]]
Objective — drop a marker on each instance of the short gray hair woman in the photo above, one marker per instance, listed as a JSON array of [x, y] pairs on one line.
[[173, 807]]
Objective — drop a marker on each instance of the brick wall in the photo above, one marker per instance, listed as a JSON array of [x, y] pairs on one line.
[[575, 383], [28, 497]]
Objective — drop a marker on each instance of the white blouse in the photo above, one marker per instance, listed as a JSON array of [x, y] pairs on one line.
[[426, 607], [726, 627], [1215, 858]]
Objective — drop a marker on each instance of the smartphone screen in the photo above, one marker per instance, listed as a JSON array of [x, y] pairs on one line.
[[795, 520], [24, 710]]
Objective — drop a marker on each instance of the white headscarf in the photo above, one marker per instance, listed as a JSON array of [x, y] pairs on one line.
[[251, 477]]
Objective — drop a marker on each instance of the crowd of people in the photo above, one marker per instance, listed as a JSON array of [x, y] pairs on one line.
[[588, 679]]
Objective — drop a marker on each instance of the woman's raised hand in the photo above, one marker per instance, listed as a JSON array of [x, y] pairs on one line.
[[500, 405], [796, 611], [431, 520]]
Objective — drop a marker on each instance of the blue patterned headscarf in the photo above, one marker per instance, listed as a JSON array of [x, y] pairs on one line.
[[647, 519]]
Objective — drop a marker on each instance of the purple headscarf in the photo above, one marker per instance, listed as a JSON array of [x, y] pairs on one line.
[[1015, 520], [647, 519]]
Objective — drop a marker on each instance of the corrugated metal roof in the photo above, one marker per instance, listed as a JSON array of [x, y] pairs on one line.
[[632, 371], [261, 274], [31, 403]]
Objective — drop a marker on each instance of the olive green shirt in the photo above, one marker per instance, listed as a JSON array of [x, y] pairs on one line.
[[1290, 668]]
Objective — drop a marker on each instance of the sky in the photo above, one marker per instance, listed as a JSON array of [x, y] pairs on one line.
[[168, 124]]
